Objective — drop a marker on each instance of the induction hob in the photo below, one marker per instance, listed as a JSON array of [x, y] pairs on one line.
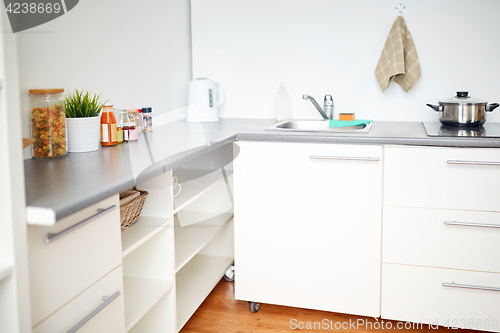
[[488, 130]]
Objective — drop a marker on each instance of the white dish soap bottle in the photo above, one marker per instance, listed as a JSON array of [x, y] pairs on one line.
[[282, 104]]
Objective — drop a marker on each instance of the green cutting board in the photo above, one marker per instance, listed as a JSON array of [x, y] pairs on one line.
[[346, 123]]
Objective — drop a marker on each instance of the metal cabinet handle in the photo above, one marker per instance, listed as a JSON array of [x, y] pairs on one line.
[[453, 284], [469, 224], [52, 237], [106, 300], [473, 162], [345, 158]]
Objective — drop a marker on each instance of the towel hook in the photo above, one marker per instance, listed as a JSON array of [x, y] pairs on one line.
[[400, 8]]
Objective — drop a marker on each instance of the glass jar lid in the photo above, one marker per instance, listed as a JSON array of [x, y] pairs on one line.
[[46, 91]]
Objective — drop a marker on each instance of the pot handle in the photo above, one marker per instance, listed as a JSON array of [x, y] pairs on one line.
[[437, 108], [492, 106]]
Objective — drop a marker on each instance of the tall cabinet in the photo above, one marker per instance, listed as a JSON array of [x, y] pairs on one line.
[[14, 281]]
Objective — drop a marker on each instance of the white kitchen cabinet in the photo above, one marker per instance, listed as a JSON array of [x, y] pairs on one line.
[[72, 255], [102, 302], [417, 294], [308, 225], [446, 178], [440, 229]]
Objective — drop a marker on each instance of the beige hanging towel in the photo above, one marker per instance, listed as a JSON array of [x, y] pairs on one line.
[[399, 60]]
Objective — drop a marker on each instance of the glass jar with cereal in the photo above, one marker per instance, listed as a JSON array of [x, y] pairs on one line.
[[48, 123]]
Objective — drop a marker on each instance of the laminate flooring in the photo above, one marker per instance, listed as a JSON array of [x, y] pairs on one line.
[[220, 312]]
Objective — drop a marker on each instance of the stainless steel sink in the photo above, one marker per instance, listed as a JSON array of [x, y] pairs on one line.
[[317, 126]]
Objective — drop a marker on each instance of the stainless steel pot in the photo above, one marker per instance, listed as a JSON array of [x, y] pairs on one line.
[[463, 110]]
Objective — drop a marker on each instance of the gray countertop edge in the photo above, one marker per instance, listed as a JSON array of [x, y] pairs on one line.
[[433, 142]]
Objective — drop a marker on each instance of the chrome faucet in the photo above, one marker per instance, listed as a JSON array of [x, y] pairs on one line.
[[328, 113]]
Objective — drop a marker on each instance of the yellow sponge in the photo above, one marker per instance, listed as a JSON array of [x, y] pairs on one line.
[[346, 116]]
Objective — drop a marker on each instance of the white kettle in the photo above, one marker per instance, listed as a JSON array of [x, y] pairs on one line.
[[204, 98]]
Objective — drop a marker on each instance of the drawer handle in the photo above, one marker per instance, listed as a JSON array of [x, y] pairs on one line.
[[106, 300], [454, 285], [52, 237], [344, 158], [473, 162], [468, 224]]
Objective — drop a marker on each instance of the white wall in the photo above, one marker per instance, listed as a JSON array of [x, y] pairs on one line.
[[137, 53], [320, 47]]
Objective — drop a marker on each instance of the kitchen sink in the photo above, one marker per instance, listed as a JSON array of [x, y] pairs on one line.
[[317, 126]]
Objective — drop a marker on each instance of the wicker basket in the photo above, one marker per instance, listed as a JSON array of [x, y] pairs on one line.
[[130, 211]]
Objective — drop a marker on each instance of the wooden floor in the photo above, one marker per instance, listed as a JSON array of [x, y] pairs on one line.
[[222, 313]]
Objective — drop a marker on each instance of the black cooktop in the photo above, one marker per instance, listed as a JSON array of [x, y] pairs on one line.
[[488, 130]]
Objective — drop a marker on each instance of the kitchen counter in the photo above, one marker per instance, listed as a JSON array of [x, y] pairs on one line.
[[58, 188]]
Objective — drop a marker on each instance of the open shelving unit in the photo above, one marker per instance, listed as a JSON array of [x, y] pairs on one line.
[[190, 240], [144, 293], [195, 281], [203, 239], [148, 260], [179, 249], [141, 231], [197, 186]]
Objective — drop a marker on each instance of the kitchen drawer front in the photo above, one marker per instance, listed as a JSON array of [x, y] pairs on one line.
[[109, 314], [417, 294], [447, 178], [441, 238], [66, 266]]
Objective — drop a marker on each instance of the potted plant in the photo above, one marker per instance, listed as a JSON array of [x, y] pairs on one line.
[[83, 121]]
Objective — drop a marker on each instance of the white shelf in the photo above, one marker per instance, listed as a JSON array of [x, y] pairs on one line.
[[191, 239], [141, 231], [195, 281], [196, 187], [5, 271], [140, 295]]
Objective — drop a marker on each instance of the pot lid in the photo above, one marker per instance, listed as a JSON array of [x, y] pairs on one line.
[[462, 97]]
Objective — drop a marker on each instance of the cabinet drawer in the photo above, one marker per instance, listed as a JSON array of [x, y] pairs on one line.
[[109, 314], [448, 178], [64, 267], [417, 294], [441, 238]]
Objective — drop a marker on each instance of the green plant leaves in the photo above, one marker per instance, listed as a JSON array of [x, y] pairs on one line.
[[82, 105]]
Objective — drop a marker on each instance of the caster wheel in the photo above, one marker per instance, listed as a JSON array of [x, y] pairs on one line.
[[254, 307], [229, 276]]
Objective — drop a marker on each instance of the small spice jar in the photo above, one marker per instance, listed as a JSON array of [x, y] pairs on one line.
[[133, 132], [48, 123], [147, 119], [141, 126], [119, 133], [133, 115]]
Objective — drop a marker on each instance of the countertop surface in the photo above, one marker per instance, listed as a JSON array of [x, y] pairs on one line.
[[78, 180]]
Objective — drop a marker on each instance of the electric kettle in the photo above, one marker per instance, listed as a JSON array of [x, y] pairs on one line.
[[204, 98]]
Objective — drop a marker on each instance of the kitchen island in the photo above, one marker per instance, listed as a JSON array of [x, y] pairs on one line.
[[354, 198]]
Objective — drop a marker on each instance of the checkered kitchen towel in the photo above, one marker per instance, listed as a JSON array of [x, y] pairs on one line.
[[399, 60]]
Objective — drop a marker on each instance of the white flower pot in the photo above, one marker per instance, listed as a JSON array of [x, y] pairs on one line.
[[84, 134]]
